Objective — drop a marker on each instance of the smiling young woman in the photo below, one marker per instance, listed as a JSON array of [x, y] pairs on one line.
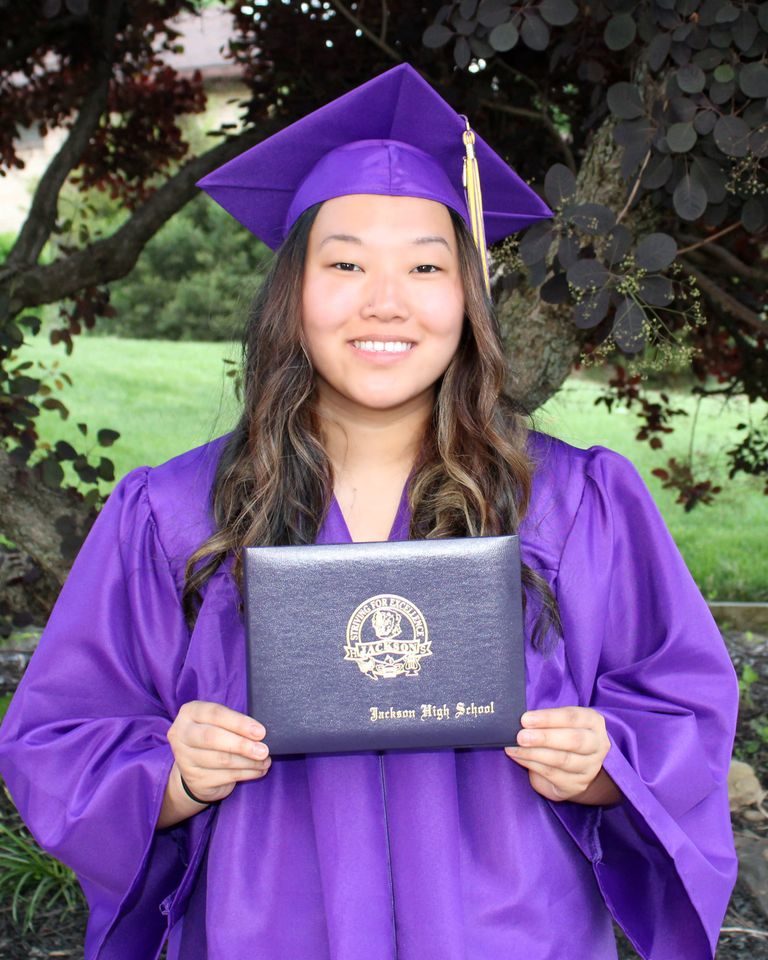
[[374, 408], [380, 326]]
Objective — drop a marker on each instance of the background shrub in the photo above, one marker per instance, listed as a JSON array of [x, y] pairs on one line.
[[193, 281]]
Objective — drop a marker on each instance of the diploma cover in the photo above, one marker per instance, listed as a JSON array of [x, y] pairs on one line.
[[411, 644]]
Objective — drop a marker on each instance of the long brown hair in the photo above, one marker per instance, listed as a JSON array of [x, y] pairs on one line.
[[274, 482]]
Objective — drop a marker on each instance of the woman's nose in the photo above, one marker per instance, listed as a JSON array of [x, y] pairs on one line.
[[384, 299]]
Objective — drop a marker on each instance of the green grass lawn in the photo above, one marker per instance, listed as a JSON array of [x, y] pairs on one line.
[[167, 397], [163, 397], [723, 543]]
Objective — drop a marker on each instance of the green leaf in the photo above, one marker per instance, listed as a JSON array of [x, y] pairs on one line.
[[624, 101], [24, 386], [568, 251], [727, 13], [753, 80], [620, 31], [758, 142], [732, 136], [52, 403], [558, 13], [436, 35], [704, 121], [656, 252], [504, 37], [106, 438], [629, 326], [559, 184], [657, 51], [555, 290], [106, 470], [491, 13], [535, 33], [593, 218], [753, 215], [619, 242], [689, 198], [587, 274], [462, 53], [591, 310], [709, 58], [656, 291], [535, 244], [681, 137], [745, 31], [52, 473], [657, 172], [691, 78], [724, 73], [64, 450]]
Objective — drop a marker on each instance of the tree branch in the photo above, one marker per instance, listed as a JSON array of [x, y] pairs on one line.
[[42, 214], [542, 117], [384, 19], [113, 257], [635, 188], [359, 25], [707, 240], [733, 263], [724, 300]]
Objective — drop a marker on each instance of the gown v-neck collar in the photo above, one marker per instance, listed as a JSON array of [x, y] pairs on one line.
[[334, 528]]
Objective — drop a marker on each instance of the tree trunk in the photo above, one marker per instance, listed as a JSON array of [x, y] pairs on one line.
[[541, 339], [47, 525]]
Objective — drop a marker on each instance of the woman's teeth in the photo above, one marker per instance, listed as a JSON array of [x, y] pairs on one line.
[[390, 346]]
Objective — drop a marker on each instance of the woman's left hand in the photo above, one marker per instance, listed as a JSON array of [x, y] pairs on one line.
[[563, 750]]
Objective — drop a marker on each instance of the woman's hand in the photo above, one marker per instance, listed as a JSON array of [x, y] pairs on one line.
[[563, 750], [214, 749]]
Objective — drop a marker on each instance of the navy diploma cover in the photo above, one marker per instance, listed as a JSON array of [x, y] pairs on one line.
[[408, 644]]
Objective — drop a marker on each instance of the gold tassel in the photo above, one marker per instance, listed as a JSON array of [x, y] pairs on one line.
[[474, 197]]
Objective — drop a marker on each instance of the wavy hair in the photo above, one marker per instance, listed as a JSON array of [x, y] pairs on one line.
[[274, 481]]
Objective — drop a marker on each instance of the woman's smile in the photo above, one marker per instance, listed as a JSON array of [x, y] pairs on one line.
[[382, 350]]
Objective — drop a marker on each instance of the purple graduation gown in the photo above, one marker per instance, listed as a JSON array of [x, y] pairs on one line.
[[437, 854]]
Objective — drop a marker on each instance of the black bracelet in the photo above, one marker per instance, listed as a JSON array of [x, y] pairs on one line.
[[205, 803]]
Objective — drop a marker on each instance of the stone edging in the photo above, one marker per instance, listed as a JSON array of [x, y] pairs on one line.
[[740, 616]]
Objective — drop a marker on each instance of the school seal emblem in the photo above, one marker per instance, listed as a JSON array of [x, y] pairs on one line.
[[387, 637]]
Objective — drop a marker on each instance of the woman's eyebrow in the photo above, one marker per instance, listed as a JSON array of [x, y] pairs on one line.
[[350, 238], [442, 240], [344, 237]]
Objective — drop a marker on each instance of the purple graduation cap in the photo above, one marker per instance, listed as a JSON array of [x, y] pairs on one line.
[[393, 135]]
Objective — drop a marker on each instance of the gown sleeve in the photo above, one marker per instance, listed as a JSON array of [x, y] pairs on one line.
[[646, 653], [83, 748]]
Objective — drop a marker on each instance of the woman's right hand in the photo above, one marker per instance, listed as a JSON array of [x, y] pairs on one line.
[[216, 748]]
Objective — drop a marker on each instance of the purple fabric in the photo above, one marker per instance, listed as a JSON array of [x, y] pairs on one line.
[[267, 187], [437, 854], [383, 167]]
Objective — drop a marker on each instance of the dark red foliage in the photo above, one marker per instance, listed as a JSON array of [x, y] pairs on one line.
[[55, 64], [141, 137]]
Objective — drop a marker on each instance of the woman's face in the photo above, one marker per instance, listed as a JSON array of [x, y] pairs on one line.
[[382, 299]]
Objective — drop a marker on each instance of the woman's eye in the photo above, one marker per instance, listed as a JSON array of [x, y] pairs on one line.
[[427, 268], [346, 266]]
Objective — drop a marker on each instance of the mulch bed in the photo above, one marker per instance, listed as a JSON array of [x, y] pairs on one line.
[[60, 935]]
